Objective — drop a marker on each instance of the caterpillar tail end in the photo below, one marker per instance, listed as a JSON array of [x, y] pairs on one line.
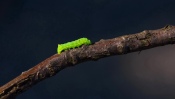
[[59, 49]]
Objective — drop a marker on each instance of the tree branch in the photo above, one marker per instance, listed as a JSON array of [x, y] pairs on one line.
[[116, 46]]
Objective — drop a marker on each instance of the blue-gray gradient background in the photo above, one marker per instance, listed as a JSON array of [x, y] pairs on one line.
[[31, 29]]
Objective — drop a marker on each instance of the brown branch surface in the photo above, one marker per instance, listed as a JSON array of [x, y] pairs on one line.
[[103, 48]]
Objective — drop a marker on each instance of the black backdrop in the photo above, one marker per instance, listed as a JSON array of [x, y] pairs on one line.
[[31, 29]]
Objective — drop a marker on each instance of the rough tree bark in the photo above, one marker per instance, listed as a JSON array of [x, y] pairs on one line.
[[103, 48]]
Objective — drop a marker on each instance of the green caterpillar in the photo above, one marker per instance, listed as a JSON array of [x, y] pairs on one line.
[[73, 44]]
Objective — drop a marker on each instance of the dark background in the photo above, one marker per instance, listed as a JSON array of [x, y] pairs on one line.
[[31, 29]]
